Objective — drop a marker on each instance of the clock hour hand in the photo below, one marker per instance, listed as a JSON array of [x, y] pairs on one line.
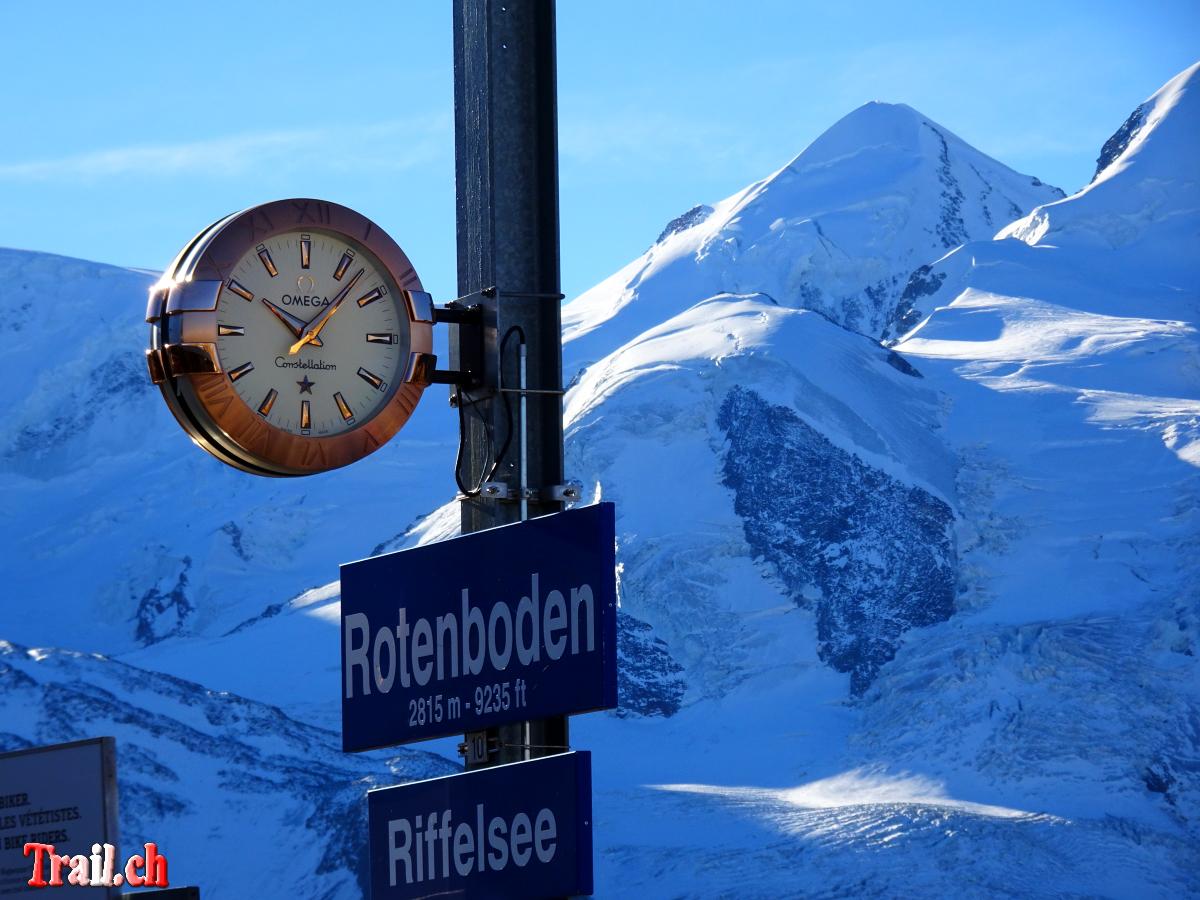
[[313, 329], [291, 323]]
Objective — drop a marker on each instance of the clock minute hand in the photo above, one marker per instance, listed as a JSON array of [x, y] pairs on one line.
[[292, 323], [313, 329]]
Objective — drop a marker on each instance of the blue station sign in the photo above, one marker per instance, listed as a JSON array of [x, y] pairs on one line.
[[518, 830], [513, 623]]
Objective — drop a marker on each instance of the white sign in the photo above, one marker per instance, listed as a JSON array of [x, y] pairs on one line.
[[64, 795]]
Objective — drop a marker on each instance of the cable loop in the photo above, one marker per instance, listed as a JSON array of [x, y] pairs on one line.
[[459, 394]]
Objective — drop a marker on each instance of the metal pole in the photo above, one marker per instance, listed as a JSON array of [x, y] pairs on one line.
[[523, 434], [506, 166]]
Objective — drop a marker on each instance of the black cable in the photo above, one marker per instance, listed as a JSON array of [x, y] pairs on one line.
[[462, 440], [499, 458], [461, 402]]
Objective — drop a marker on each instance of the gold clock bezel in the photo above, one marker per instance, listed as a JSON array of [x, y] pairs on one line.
[[183, 358]]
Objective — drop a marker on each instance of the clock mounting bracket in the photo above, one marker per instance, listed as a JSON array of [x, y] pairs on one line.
[[467, 313]]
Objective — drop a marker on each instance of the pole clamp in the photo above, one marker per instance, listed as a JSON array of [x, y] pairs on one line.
[[570, 493]]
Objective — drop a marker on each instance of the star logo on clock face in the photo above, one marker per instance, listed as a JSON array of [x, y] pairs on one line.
[[306, 386]]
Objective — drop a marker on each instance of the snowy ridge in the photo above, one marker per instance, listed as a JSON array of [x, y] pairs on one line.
[[1146, 199], [1072, 673]]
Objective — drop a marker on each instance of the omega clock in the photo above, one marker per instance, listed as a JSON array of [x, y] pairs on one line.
[[290, 338]]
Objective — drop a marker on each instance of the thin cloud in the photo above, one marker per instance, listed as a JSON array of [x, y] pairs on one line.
[[230, 155], [619, 139], [414, 142]]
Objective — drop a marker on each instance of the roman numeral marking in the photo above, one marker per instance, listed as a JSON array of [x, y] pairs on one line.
[[380, 338], [210, 393], [343, 408], [230, 331], [240, 291], [343, 265], [368, 299], [265, 256], [305, 417], [305, 214], [371, 378], [243, 369], [264, 408], [305, 250], [259, 223], [313, 455]]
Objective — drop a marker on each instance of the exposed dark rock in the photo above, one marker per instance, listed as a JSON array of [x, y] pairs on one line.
[[1120, 139], [649, 682], [872, 556], [1037, 182], [693, 216], [951, 228], [397, 541], [900, 364], [1158, 779], [119, 377], [160, 613], [269, 612], [924, 282], [235, 539]]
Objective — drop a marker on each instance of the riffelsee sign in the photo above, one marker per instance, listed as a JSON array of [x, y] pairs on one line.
[[517, 830]]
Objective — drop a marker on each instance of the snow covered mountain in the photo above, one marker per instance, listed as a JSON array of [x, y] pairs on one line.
[[838, 230], [894, 621]]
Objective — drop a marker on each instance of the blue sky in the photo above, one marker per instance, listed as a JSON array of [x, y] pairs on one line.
[[129, 126]]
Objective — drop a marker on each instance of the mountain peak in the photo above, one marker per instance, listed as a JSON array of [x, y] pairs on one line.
[[873, 125], [838, 230], [1147, 184], [1174, 107]]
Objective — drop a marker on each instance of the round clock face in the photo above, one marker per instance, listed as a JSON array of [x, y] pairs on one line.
[[291, 338], [308, 280]]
